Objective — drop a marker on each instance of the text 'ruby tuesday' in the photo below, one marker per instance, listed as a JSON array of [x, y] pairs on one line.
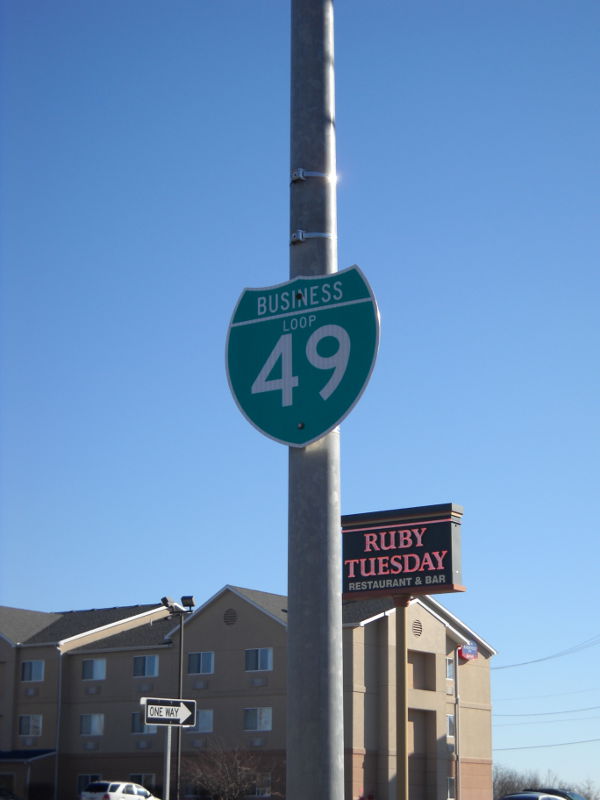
[[395, 563]]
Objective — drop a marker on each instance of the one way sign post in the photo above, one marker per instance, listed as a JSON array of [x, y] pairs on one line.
[[164, 711], [168, 712]]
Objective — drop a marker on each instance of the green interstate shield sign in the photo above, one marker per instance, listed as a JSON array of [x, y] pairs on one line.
[[300, 354]]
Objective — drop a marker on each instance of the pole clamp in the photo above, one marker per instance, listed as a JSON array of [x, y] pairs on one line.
[[301, 174], [300, 236]]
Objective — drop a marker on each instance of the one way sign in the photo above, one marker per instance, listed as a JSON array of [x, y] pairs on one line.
[[163, 711]]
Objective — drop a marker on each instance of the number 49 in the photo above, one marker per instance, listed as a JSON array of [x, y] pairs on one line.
[[282, 352]]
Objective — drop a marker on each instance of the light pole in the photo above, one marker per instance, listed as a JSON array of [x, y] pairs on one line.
[[180, 611]]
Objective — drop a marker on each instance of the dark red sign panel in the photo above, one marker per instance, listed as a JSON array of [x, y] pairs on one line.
[[407, 551]]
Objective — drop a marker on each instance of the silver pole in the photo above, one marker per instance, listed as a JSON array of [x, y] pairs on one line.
[[180, 696], [315, 746], [167, 764]]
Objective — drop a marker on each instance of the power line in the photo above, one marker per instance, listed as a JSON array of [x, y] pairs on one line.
[[549, 713], [541, 746], [542, 696], [544, 722], [591, 642]]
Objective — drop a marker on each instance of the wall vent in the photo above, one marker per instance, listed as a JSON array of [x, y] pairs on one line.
[[417, 627], [230, 616]]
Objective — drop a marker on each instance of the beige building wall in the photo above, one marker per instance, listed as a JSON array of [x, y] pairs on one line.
[[449, 720], [227, 626]]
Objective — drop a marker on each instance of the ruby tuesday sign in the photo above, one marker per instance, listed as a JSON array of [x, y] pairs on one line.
[[407, 551]]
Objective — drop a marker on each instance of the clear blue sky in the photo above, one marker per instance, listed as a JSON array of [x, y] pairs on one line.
[[145, 162]]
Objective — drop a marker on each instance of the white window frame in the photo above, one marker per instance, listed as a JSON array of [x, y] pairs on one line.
[[450, 726], [451, 788], [95, 722], [31, 666], [264, 719], [264, 659], [98, 669], [450, 668], [203, 656], [138, 726], [150, 666], [34, 724]]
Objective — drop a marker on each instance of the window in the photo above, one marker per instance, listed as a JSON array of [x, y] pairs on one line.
[[139, 726], [30, 725], [201, 663], [145, 666], [259, 658], [204, 721], [263, 785], [451, 725], [93, 669], [32, 671], [451, 788], [257, 719], [450, 668], [91, 724]]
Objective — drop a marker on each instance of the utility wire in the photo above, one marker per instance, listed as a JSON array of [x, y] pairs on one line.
[[542, 696], [549, 713], [541, 746], [592, 642], [543, 722]]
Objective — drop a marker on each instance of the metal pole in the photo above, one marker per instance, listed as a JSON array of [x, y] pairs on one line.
[[167, 764], [457, 727], [402, 603], [315, 746], [180, 697]]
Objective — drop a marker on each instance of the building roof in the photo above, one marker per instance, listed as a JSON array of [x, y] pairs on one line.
[[155, 633], [273, 604], [20, 626], [17, 625], [35, 627]]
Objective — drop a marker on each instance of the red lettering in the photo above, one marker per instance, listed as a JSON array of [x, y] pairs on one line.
[[384, 568], [396, 562], [390, 544], [426, 561], [416, 562], [363, 570], [419, 536], [351, 562], [404, 538]]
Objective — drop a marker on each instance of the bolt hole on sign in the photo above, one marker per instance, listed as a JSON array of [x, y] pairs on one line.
[[300, 354]]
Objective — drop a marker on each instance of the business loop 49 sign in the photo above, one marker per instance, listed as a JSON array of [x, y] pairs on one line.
[[300, 354]]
